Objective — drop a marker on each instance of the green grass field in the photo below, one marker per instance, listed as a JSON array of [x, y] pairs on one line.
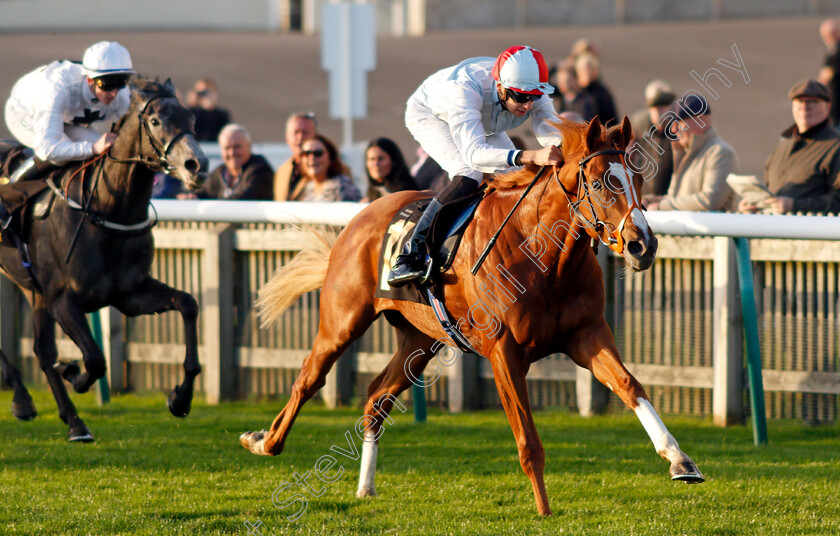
[[151, 474]]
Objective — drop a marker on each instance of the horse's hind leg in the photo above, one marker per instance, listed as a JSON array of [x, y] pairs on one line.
[[152, 297], [23, 407], [345, 316], [73, 321], [47, 353], [414, 351], [594, 348], [509, 374]]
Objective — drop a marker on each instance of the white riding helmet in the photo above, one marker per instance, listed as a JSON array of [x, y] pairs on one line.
[[523, 70], [107, 57]]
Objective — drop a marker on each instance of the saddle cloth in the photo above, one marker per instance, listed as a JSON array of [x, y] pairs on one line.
[[447, 231]]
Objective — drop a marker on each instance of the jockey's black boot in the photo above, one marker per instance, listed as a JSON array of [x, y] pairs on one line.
[[411, 264], [30, 170]]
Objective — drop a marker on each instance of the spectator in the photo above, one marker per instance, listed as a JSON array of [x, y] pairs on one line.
[[830, 73], [203, 102], [584, 46], [654, 146], [242, 175], [569, 95], [322, 174], [427, 173], [166, 186], [386, 169], [702, 161], [587, 68], [803, 171], [299, 128]]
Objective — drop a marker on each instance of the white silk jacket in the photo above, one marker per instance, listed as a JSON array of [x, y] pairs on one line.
[[53, 110], [465, 98]]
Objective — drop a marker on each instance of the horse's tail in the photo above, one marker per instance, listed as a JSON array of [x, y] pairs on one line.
[[305, 273]]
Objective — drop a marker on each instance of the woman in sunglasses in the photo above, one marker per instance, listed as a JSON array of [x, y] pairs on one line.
[[323, 174], [55, 108], [460, 116]]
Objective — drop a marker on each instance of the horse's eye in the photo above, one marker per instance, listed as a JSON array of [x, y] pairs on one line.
[[154, 121], [597, 186]]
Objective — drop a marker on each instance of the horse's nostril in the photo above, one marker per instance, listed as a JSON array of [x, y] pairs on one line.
[[635, 248], [192, 166]]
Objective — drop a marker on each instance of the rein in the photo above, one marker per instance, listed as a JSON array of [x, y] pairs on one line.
[[614, 241]]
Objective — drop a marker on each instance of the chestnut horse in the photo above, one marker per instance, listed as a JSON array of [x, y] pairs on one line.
[[539, 292]]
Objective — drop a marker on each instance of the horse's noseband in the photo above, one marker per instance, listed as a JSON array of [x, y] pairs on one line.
[[614, 239]]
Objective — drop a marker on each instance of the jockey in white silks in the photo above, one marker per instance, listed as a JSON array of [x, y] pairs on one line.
[[460, 116], [55, 108]]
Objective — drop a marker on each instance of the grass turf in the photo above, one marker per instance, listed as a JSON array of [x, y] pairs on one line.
[[151, 474]]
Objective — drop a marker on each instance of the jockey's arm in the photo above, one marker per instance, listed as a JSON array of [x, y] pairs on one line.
[[53, 144]]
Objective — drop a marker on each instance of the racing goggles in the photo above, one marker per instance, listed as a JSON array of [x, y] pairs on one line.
[[112, 82], [522, 98]]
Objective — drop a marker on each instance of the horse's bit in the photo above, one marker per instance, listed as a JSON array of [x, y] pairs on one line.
[[614, 241]]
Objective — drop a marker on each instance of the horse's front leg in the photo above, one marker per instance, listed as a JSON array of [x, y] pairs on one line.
[[509, 370], [151, 297], [594, 348], [73, 321]]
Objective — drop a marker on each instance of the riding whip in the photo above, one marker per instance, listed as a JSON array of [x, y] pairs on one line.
[[492, 241]]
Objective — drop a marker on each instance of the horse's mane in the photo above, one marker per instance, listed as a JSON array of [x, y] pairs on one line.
[[573, 145], [150, 87]]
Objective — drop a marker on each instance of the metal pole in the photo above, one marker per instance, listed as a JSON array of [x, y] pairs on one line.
[[419, 395], [103, 393], [745, 279]]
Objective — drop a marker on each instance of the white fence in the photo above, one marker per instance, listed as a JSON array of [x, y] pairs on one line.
[[678, 325]]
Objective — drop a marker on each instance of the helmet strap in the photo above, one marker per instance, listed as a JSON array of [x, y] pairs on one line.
[[501, 90]]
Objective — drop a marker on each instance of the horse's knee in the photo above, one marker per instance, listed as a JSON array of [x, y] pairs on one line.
[[95, 368], [187, 305], [532, 458]]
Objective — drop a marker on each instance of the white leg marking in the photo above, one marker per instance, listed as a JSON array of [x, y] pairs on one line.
[[664, 443], [368, 467]]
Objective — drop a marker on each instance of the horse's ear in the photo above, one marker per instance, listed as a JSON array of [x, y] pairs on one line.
[[593, 134], [625, 134], [169, 85]]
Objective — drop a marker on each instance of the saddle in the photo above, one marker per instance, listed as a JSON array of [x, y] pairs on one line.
[[441, 245], [17, 197]]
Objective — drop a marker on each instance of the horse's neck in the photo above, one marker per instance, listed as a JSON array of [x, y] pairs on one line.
[[124, 189], [545, 225]]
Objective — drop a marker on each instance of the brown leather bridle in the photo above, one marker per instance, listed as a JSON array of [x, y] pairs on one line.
[[614, 240]]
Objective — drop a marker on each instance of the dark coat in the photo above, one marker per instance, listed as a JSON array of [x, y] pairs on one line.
[[256, 182], [807, 168], [604, 104]]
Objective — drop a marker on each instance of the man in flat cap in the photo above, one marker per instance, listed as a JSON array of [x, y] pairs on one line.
[[653, 157], [803, 171], [702, 161]]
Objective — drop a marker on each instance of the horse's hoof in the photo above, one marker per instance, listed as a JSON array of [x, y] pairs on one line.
[[253, 441], [80, 433], [686, 472], [178, 404], [24, 411], [69, 371]]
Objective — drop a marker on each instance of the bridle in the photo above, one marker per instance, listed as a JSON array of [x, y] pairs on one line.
[[614, 239], [161, 150]]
